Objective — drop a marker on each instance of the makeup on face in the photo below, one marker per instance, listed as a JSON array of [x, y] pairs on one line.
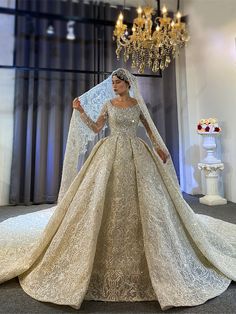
[[119, 86]]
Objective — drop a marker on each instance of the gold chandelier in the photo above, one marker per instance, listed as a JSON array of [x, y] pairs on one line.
[[151, 44]]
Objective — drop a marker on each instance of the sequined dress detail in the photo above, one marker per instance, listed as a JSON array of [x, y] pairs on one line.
[[119, 234]]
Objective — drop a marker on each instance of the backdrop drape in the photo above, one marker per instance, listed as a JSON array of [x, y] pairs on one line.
[[43, 97]]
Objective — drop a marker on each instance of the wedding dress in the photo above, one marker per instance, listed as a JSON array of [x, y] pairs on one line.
[[122, 232]]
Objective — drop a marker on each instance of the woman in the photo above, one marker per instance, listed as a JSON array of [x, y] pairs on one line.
[[124, 101], [122, 230]]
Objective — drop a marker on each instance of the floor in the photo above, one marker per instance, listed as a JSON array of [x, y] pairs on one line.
[[14, 300]]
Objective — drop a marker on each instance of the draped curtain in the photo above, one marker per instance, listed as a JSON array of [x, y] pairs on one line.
[[43, 96]]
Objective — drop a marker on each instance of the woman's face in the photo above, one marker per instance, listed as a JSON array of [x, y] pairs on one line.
[[119, 86]]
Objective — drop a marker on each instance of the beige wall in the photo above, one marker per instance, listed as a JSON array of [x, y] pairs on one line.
[[207, 87]]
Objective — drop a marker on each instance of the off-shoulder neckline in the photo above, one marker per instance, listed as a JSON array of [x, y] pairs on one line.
[[122, 108]]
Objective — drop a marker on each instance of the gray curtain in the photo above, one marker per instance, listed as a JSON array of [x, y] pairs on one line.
[[43, 97]]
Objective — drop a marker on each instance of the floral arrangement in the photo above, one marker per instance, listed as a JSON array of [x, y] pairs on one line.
[[208, 126]]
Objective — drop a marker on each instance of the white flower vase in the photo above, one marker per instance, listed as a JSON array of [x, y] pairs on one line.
[[209, 144]]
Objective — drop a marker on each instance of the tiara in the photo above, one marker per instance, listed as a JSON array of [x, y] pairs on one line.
[[120, 73]]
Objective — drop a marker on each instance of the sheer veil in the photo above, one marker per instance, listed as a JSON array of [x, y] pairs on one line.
[[80, 135]]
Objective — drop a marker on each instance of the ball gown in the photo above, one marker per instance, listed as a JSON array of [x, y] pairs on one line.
[[120, 233]]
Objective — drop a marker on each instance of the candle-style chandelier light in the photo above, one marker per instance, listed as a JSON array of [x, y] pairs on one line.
[[151, 44]]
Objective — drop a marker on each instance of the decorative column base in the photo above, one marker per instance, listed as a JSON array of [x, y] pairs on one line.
[[211, 174], [212, 200]]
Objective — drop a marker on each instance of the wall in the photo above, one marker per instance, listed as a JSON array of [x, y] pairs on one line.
[[207, 88], [6, 100]]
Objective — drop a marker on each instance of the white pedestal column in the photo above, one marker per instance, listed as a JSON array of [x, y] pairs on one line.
[[211, 167], [212, 178]]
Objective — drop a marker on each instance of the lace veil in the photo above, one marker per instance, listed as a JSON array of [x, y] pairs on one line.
[[80, 135]]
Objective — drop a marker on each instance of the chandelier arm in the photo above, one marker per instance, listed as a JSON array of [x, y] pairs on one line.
[[124, 42], [158, 8]]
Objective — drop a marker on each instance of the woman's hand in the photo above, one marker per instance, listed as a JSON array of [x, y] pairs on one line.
[[162, 155], [77, 105]]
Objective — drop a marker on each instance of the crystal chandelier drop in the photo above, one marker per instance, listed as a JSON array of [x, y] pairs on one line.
[[151, 44]]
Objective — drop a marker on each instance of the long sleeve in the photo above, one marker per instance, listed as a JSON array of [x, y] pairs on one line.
[[149, 131], [101, 120]]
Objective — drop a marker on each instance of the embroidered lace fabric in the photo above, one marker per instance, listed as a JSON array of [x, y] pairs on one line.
[[122, 232]]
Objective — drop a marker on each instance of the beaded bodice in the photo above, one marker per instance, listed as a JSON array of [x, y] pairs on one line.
[[123, 121]]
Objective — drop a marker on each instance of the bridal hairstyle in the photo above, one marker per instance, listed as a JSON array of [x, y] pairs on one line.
[[121, 75]]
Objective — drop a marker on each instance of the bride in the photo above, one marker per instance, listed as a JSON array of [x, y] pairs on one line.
[[121, 230]]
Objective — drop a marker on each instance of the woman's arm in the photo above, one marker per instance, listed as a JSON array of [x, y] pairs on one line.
[[97, 126], [156, 146]]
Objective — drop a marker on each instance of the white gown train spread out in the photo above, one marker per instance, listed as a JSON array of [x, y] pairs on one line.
[[122, 232]]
